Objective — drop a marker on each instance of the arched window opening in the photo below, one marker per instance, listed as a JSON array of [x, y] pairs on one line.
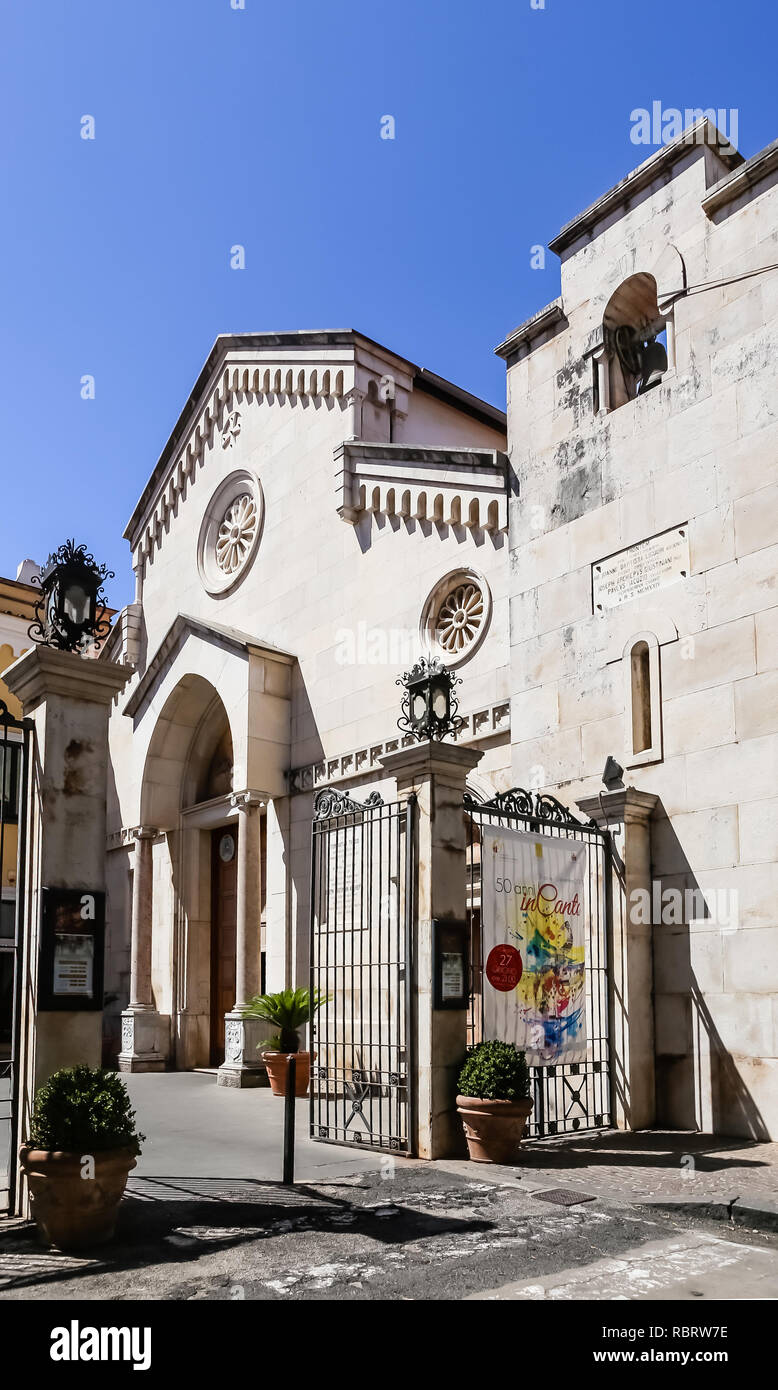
[[635, 340]]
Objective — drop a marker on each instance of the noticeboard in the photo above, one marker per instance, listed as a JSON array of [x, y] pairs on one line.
[[451, 964], [72, 950]]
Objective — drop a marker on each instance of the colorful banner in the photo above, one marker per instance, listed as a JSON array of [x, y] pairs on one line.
[[532, 913]]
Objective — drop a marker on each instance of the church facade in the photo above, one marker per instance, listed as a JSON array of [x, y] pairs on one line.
[[322, 509], [602, 580]]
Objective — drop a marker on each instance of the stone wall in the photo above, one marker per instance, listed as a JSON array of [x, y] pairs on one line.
[[698, 453]]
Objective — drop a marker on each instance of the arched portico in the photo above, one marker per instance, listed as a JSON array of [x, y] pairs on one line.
[[199, 880]]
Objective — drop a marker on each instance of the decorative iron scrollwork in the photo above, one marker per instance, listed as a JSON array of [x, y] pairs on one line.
[[329, 802], [529, 805]]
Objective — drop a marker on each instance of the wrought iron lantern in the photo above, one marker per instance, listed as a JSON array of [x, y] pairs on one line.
[[429, 704], [71, 613]]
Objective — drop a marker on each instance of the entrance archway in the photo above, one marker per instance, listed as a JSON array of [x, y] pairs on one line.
[[185, 898]]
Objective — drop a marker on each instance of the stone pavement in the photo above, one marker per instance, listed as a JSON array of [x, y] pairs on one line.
[[417, 1233], [206, 1217], [718, 1177]]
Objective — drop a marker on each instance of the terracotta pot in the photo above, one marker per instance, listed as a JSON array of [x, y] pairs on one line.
[[72, 1211], [277, 1064], [493, 1128]]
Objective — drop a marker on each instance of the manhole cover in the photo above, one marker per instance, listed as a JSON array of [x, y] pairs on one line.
[[563, 1196]]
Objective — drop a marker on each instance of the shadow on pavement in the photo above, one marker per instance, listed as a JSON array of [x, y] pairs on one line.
[[170, 1220], [650, 1149]]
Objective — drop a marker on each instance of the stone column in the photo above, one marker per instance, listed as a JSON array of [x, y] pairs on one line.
[[627, 813], [242, 1065], [354, 399], [68, 699], [277, 896], [436, 774], [144, 1034]]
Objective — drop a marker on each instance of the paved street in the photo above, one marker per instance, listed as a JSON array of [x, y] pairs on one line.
[[425, 1234], [206, 1218]]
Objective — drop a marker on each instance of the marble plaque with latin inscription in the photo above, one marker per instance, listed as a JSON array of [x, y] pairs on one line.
[[641, 569]]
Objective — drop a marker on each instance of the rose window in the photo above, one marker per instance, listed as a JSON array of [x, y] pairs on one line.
[[456, 616], [230, 532], [459, 618], [236, 534]]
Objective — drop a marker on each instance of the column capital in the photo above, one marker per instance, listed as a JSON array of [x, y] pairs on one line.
[[624, 805], [145, 832], [45, 671], [247, 799]]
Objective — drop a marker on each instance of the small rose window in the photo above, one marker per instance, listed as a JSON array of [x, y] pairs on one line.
[[456, 616], [230, 532]]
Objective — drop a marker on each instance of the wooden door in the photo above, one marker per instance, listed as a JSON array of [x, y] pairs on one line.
[[224, 884]]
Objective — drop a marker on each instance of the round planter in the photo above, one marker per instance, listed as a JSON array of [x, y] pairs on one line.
[[493, 1128], [72, 1211], [277, 1064]]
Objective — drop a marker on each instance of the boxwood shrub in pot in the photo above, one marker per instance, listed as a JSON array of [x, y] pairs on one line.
[[494, 1101], [83, 1144]]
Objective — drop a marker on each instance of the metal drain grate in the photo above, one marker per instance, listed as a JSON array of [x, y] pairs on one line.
[[563, 1196]]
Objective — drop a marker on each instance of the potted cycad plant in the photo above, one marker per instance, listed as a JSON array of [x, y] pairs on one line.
[[286, 1011], [494, 1101], [83, 1144]]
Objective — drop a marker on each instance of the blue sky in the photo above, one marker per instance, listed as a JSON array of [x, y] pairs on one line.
[[217, 126]]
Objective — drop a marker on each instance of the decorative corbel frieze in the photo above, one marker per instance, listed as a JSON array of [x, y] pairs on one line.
[[452, 487]]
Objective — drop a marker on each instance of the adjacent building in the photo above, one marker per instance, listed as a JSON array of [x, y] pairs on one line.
[[17, 611], [644, 599]]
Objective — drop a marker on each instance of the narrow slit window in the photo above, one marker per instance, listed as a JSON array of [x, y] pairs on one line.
[[642, 700], [641, 697]]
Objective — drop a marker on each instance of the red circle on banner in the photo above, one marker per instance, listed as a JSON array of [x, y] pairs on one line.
[[504, 968]]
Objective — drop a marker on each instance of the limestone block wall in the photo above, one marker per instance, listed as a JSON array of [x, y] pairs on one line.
[[698, 452]]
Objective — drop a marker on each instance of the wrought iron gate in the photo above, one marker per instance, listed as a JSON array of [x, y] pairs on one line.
[[15, 740], [362, 888], [574, 1095]]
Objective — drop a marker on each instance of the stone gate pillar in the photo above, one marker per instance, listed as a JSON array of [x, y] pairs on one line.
[[627, 812], [68, 699], [436, 774]]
